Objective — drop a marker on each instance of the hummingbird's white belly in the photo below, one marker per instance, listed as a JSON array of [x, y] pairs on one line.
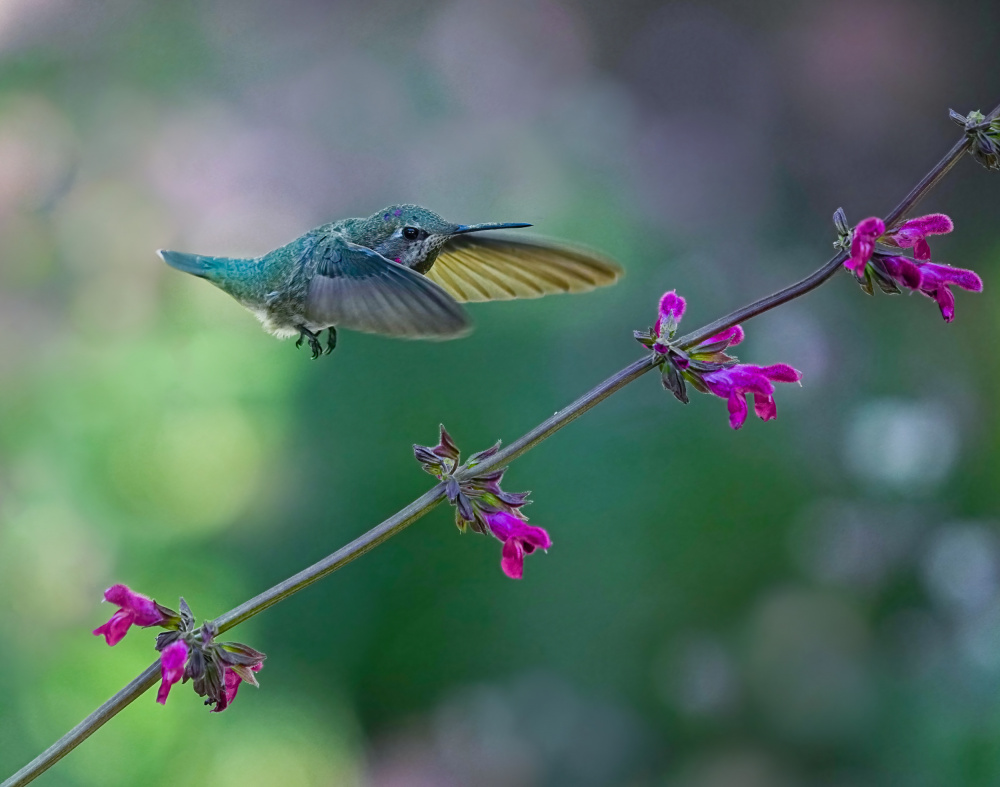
[[285, 328]]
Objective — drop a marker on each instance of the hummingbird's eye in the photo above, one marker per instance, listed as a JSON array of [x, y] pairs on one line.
[[412, 233]]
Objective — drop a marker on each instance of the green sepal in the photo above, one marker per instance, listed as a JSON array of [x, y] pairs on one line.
[[697, 383], [673, 381], [236, 653], [246, 673], [884, 282], [865, 282]]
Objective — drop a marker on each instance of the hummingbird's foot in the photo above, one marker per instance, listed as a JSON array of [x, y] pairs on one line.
[[331, 339], [312, 338]]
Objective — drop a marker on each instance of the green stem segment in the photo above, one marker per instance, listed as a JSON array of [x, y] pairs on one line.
[[87, 727], [331, 563], [435, 495]]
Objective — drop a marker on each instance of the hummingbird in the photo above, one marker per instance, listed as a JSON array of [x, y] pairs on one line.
[[401, 272]]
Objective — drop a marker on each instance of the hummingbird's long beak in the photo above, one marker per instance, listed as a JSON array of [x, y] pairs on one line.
[[463, 228]]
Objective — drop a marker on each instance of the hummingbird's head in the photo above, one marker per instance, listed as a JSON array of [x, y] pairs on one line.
[[413, 236]]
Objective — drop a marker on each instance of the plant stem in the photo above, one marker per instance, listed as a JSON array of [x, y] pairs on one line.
[[435, 495], [551, 425], [85, 728], [814, 280], [331, 563]]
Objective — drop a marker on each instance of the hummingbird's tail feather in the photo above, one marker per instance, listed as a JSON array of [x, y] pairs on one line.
[[195, 264]]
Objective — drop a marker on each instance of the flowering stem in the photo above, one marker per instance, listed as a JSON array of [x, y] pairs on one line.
[[435, 495], [814, 280]]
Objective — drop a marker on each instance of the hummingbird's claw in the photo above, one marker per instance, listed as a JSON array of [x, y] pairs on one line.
[[331, 340], [312, 338]]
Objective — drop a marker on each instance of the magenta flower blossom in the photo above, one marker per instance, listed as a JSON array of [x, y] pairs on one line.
[[672, 305], [671, 311], [863, 244], [913, 233], [708, 368], [934, 282], [187, 651], [731, 336], [233, 679], [672, 308], [173, 659], [736, 383], [933, 279], [519, 539], [910, 234], [133, 608], [902, 270], [481, 503], [892, 271]]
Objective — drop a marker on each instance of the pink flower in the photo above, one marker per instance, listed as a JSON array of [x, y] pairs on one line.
[[933, 279], [863, 244], [173, 658], [708, 368], [481, 503], [903, 270], [132, 608], [737, 382], [913, 233], [910, 234], [671, 311], [934, 282], [519, 539], [919, 274], [233, 679], [731, 336]]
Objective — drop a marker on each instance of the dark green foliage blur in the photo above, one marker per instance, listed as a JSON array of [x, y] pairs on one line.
[[811, 601]]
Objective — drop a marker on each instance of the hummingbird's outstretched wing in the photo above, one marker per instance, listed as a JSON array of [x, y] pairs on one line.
[[357, 288], [488, 268]]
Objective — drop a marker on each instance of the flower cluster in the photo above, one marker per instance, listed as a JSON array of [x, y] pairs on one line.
[[891, 270], [985, 136], [481, 505], [186, 653], [709, 369], [133, 609]]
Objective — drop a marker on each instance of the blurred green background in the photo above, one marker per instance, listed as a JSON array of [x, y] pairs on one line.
[[814, 601]]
